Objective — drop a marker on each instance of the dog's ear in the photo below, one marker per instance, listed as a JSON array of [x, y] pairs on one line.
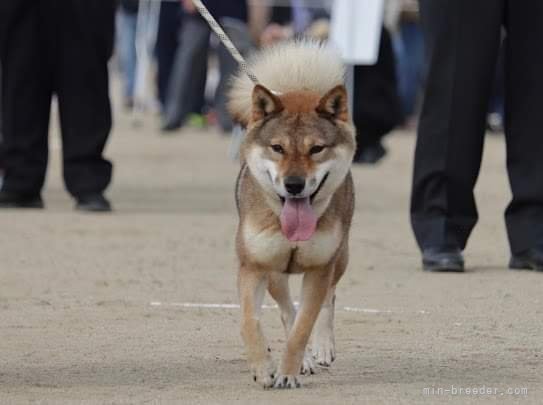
[[334, 104], [265, 103]]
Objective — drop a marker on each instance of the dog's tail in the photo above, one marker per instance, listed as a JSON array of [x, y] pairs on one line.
[[289, 66]]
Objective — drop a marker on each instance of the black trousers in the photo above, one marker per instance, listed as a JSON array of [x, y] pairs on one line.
[[166, 44], [56, 47], [377, 107], [463, 38], [1, 142]]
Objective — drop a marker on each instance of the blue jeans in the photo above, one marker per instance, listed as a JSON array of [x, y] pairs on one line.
[[409, 49], [126, 45]]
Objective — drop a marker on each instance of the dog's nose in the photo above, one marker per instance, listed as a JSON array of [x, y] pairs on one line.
[[294, 184]]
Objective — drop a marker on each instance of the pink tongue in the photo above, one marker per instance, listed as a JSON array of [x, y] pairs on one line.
[[298, 220]]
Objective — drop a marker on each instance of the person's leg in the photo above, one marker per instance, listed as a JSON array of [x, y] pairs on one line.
[[1, 147], [414, 49], [166, 45], [524, 121], [377, 106], [85, 45], [402, 69], [462, 40], [26, 97], [496, 109], [126, 26], [198, 87], [239, 34], [189, 67]]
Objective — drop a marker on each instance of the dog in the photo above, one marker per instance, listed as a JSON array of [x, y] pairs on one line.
[[295, 200]]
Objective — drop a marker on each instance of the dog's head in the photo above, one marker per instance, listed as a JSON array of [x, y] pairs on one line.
[[299, 147]]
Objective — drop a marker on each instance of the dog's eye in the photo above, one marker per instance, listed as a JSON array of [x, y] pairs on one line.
[[278, 149], [316, 149]]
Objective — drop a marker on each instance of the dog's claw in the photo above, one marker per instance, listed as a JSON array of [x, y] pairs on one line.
[[324, 351], [265, 374], [307, 371], [287, 381], [308, 365]]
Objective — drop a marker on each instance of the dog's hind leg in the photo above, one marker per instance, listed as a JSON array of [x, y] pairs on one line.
[[314, 289], [279, 290], [323, 343], [252, 288]]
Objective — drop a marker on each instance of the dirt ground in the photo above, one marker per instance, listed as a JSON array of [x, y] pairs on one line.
[[93, 307]]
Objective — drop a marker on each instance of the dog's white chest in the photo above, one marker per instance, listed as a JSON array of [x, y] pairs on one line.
[[267, 247], [320, 248], [272, 248]]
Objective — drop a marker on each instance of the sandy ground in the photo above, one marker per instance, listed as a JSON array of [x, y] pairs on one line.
[[77, 323]]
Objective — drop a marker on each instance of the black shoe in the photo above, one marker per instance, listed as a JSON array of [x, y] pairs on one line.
[[20, 200], [93, 203], [168, 127], [442, 259], [531, 259], [370, 155]]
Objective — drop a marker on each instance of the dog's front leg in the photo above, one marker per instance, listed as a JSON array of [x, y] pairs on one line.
[[314, 289], [323, 344], [252, 287], [279, 290]]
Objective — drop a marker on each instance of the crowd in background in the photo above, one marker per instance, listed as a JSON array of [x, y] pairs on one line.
[[453, 51], [188, 57], [193, 68]]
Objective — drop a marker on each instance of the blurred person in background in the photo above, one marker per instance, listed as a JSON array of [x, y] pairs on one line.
[[127, 19], [291, 19], [463, 40], [188, 76], [56, 48], [376, 105], [408, 43], [167, 41], [376, 109]]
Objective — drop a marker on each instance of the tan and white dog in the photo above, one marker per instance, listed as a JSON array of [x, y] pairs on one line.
[[295, 200]]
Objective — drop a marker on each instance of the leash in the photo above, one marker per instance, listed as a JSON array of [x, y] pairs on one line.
[[226, 41], [237, 133]]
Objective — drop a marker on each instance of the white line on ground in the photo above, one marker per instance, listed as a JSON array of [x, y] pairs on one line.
[[236, 306]]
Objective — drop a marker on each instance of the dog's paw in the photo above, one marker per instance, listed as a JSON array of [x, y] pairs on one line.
[[264, 374], [287, 381], [308, 364], [324, 350]]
